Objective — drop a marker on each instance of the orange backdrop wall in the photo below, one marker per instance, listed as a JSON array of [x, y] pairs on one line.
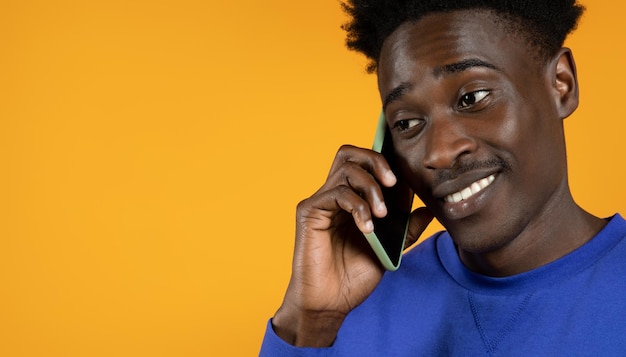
[[153, 152]]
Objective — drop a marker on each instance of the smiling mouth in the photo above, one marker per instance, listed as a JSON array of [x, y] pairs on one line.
[[471, 190]]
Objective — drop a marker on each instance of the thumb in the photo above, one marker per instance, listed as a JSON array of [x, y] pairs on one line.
[[419, 220]]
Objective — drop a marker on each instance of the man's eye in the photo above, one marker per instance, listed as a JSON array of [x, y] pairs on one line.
[[469, 99], [406, 124]]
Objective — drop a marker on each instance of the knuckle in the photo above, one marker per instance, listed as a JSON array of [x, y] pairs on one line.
[[342, 190], [348, 153], [348, 170], [344, 149], [304, 206], [378, 160]]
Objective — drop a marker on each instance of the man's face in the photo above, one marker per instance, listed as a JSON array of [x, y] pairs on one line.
[[475, 124]]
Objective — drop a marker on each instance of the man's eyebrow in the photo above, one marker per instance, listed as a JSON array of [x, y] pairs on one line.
[[396, 93], [461, 66], [445, 69]]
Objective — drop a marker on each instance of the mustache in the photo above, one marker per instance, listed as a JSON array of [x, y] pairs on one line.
[[463, 167]]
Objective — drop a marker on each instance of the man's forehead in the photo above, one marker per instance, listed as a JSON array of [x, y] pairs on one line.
[[444, 44], [449, 36], [437, 27]]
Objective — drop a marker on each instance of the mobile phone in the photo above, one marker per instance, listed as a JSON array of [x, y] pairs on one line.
[[389, 233]]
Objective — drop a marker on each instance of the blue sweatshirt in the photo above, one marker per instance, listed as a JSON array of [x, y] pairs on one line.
[[434, 306]]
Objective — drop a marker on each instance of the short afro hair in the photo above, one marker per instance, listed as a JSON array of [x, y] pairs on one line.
[[544, 24]]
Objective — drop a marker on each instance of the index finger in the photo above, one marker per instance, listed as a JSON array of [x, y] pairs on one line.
[[373, 162]]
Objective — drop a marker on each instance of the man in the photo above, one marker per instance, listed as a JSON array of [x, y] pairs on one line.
[[474, 94]]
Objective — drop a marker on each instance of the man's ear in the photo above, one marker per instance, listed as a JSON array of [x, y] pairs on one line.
[[564, 82]]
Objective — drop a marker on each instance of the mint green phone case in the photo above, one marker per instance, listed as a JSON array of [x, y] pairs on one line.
[[390, 259]]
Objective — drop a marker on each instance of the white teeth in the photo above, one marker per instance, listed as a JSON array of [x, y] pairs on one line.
[[466, 193], [471, 190]]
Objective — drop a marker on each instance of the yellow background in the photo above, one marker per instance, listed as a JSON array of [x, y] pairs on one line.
[[153, 152]]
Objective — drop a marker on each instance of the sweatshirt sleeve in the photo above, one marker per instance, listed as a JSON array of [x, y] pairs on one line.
[[274, 346]]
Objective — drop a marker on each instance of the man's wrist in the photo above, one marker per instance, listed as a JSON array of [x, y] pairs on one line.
[[318, 329]]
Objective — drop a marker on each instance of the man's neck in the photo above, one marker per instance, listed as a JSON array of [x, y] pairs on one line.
[[563, 227]]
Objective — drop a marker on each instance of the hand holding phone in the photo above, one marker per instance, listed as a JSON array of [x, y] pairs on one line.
[[332, 270], [390, 232]]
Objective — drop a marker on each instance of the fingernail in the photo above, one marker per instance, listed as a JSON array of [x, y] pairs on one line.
[[381, 207], [390, 177], [368, 226]]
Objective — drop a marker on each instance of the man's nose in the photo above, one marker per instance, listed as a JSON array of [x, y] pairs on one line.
[[447, 139]]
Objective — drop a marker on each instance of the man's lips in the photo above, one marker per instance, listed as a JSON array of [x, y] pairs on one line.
[[469, 191]]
